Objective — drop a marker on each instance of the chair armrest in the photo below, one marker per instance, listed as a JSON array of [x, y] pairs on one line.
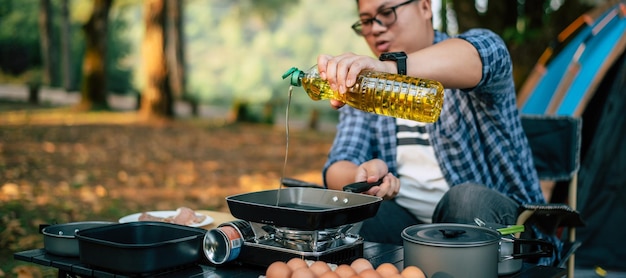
[[549, 217]]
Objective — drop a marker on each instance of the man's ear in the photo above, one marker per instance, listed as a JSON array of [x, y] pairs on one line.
[[426, 8]]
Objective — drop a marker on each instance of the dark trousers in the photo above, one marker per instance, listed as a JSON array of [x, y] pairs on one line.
[[461, 204]]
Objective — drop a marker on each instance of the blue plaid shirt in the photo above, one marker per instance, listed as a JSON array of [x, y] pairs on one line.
[[478, 137]]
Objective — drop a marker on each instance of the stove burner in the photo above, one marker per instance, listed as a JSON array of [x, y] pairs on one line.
[[312, 241], [334, 245]]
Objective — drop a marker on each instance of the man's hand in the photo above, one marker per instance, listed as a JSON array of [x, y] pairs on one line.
[[373, 170], [341, 71]]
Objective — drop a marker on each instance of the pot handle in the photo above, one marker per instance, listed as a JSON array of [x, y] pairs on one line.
[[545, 249], [43, 226]]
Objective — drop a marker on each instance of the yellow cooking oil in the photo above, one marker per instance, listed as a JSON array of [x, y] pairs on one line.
[[394, 95]]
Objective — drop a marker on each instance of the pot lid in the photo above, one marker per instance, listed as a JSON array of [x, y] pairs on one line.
[[450, 235]]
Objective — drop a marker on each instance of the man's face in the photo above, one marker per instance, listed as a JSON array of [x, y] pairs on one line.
[[396, 25]]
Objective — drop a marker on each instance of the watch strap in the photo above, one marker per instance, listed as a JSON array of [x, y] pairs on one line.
[[398, 57]]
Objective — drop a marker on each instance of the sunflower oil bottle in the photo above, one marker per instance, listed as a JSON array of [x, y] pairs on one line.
[[394, 95]]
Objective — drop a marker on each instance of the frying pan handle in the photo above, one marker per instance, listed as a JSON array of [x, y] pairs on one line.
[[356, 187], [290, 182], [362, 186]]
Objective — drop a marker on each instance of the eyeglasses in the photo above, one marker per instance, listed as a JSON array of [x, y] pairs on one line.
[[385, 17]]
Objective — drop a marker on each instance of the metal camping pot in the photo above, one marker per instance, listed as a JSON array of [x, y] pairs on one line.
[[60, 239], [511, 253], [452, 250]]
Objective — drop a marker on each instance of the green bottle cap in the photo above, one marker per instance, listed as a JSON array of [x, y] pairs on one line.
[[295, 76]]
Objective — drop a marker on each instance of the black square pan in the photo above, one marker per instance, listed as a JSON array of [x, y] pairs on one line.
[[303, 208], [140, 247]]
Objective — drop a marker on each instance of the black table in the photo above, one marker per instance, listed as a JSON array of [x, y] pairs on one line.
[[376, 253]]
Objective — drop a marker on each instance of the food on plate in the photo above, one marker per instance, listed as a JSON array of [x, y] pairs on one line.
[[183, 216]]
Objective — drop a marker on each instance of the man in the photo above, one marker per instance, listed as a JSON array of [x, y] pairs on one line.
[[473, 162]]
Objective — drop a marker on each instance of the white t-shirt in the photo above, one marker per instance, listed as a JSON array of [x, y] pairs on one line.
[[421, 182]]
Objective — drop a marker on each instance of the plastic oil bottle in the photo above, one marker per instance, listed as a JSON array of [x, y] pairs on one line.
[[386, 94]]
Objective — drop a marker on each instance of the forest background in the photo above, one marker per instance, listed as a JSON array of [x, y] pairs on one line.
[[223, 58]]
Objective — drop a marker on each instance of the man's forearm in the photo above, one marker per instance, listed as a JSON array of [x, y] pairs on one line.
[[340, 174]]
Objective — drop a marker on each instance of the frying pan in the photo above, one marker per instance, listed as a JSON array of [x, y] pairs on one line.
[[306, 207]]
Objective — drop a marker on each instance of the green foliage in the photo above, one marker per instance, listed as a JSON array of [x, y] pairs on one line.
[[119, 70], [19, 40], [243, 57], [234, 49], [20, 51]]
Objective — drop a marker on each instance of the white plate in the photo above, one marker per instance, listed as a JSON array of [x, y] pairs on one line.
[[164, 214]]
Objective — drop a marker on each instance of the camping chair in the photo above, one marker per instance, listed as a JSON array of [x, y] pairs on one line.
[[555, 144]]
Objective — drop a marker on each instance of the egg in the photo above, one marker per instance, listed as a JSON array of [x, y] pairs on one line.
[[387, 269], [361, 264], [370, 273], [330, 274], [303, 272], [296, 263], [278, 270], [319, 268], [412, 272], [345, 271]]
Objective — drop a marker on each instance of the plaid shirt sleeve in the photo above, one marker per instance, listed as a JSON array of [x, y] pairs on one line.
[[478, 137]]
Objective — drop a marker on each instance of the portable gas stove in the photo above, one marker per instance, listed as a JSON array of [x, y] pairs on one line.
[[333, 245], [308, 223], [264, 244]]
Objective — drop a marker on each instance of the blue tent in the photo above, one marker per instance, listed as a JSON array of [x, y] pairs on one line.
[[583, 74], [569, 72]]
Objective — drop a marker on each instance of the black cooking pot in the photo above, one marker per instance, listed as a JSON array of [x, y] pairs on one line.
[[60, 239]]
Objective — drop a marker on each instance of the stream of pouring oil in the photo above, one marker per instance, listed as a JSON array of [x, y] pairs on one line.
[[280, 182]]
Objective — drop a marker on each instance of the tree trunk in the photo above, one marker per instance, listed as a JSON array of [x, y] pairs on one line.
[[466, 14], [47, 50], [33, 93], [66, 40], [175, 47], [314, 120], [156, 100], [93, 91], [501, 16], [443, 14]]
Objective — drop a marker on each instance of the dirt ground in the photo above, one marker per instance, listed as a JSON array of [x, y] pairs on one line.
[[59, 166]]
